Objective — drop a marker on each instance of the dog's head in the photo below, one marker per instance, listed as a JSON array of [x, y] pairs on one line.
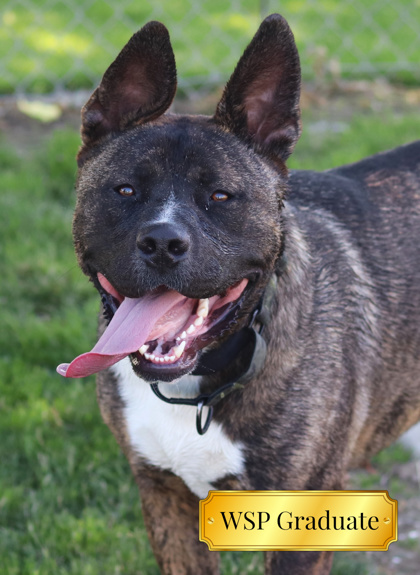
[[178, 218]]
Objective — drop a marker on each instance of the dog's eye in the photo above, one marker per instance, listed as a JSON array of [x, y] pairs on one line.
[[125, 190], [219, 196]]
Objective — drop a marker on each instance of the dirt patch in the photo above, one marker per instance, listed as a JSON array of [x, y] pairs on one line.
[[25, 133], [341, 100]]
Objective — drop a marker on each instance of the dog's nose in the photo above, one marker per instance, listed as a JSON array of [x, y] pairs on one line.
[[163, 245]]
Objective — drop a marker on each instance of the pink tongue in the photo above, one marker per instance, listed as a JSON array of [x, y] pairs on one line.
[[127, 332]]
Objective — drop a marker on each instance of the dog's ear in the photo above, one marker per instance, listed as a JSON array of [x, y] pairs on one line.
[[260, 103], [138, 86]]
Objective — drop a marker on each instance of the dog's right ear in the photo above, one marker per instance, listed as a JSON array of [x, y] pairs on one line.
[[260, 103], [138, 86]]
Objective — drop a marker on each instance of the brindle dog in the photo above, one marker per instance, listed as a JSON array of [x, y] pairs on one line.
[[196, 238]]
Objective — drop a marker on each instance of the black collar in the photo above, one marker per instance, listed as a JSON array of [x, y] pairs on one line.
[[216, 360]]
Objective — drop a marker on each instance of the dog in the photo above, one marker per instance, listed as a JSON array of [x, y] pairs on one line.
[[263, 327]]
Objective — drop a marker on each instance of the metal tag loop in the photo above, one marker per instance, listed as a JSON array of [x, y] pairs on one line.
[[200, 429]]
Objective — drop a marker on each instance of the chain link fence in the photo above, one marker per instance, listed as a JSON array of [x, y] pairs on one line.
[[54, 45]]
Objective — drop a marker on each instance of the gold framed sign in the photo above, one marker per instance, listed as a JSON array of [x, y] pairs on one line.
[[298, 520]]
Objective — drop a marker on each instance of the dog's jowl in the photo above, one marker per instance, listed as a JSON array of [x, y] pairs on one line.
[[261, 330]]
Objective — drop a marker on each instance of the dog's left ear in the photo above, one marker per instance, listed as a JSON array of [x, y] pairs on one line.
[[138, 87], [260, 103]]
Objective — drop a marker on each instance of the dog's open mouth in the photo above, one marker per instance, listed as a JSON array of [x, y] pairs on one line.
[[162, 331]]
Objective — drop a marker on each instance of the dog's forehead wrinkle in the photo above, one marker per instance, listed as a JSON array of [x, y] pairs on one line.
[[180, 150]]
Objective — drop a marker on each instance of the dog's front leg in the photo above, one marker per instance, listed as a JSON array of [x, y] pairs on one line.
[[170, 513], [298, 563]]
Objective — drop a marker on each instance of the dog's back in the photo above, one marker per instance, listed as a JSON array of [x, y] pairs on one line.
[[371, 214]]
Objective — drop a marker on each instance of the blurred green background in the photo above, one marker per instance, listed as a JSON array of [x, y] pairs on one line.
[[48, 45], [68, 503]]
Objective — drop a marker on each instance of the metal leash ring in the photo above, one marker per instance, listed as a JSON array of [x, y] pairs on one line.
[[200, 429]]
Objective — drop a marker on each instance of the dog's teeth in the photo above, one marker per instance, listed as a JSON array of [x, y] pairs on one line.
[[199, 321], [203, 308], [178, 350]]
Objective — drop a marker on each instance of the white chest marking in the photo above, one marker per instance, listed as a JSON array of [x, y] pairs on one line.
[[166, 436]]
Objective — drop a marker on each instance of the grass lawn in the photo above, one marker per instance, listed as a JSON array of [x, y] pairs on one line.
[[68, 504], [42, 41]]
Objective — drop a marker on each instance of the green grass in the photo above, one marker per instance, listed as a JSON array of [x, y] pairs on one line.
[[45, 41], [325, 143], [68, 503]]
